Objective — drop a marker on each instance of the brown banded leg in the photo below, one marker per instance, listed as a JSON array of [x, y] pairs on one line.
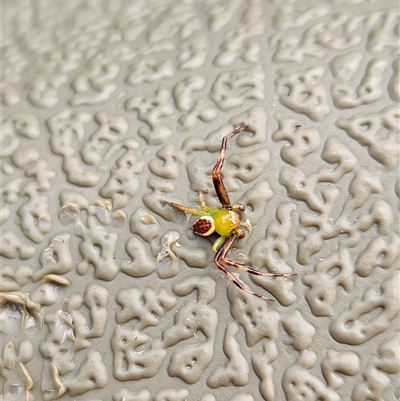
[[225, 248], [216, 174], [237, 282]]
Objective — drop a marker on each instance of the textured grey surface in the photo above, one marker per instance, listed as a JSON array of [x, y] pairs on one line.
[[111, 106]]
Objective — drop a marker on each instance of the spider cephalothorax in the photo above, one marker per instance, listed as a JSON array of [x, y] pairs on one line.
[[225, 222]]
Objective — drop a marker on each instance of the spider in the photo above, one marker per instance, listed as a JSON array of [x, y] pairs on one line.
[[224, 221]]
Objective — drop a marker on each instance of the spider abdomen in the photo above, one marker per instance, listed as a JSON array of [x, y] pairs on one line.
[[204, 226]]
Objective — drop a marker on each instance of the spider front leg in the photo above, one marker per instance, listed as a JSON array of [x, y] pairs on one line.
[[239, 283], [231, 277], [216, 174], [225, 248]]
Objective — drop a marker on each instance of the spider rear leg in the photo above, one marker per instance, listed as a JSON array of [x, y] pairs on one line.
[[182, 208], [225, 248], [201, 199], [216, 174]]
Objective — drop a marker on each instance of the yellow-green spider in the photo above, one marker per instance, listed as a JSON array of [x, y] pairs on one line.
[[224, 221]]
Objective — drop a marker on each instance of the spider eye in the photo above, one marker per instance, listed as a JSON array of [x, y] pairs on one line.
[[240, 207], [204, 226]]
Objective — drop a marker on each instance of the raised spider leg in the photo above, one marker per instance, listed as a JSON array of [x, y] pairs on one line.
[[225, 248], [201, 199], [216, 174], [238, 283]]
